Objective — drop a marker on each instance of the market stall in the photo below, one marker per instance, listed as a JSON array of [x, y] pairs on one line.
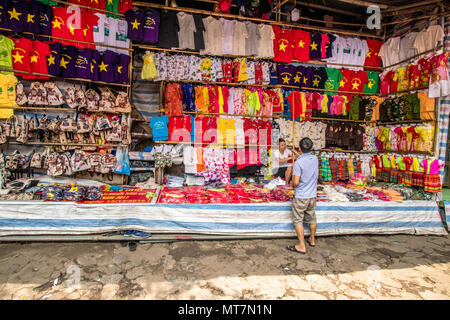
[[179, 113]]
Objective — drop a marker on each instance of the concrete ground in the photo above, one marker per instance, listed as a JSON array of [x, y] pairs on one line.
[[351, 267]]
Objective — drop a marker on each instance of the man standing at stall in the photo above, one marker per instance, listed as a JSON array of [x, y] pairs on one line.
[[305, 175]]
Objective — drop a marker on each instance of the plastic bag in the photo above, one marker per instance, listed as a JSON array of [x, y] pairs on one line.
[[123, 163]]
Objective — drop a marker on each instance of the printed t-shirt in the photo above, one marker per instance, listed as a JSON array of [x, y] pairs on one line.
[[323, 50], [315, 46], [308, 77], [332, 83], [122, 68], [121, 37], [297, 108], [6, 46], [90, 22], [319, 78], [358, 80], [107, 67], [67, 62], [59, 25], [17, 13], [45, 21], [125, 5], [83, 64], [282, 45], [53, 61], [329, 46], [7, 88], [225, 131], [99, 4], [21, 54], [32, 19], [151, 26], [298, 77], [414, 76], [135, 20], [98, 30], [159, 125], [286, 74], [38, 60], [112, 5], [3, 14], [345, 84], [301, 41], [372, 85], [94, 65], [425, 71]]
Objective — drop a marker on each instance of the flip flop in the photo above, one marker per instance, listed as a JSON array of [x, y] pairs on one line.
[[310, 243], [293, 248]]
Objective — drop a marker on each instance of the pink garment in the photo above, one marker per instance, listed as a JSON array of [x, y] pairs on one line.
[[325, 40], [434, 167]]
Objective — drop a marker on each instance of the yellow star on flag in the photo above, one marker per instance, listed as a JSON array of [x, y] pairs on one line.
[[355, 85], [110, 2], [17, 57], [285, 79], [34, 58], [51, 60], [119, 69], [313, 46], [297, 79], [341, 84], [30, 18], [301, 44], [96, 1], [369, 54], [14, 14], [92, 68], [56, 24], [370, 85], [315, 82], [72, 29], [84, 32], [283, 47], [63, 63], [135, 24], [103, 67], [305, 80]]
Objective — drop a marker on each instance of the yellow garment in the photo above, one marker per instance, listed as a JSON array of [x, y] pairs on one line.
[[344, 106], [324, 104], [7, 95], [402, 79], [303, 99], [247, 94], [376, 109], [242, 69], [206, 99], [373, 170], [415, 165], [220, 100], [394, 162], [426, 136], [427, 106], [225, 131], [149, 69]]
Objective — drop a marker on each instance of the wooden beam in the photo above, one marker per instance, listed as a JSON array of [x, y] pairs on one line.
[[413, 5], [326, 8], [364, 3]]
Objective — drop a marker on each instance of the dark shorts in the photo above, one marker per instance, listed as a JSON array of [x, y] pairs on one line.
[[281, 172]]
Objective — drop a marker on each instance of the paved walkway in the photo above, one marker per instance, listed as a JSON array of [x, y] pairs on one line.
[[356, 267]]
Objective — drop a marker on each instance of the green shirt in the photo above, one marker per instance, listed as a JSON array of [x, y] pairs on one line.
[[112, 5], [48, 2], [334, 77], [354, 108], [6, 46], [372, 85]]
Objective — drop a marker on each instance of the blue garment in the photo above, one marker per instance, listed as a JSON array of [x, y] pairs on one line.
[[192, 128], [307, 168], [188, 97], [273, 73], [160, 128]]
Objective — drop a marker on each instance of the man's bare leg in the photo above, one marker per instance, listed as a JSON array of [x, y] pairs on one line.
[[312, 239], [288, 174], [301, 238]]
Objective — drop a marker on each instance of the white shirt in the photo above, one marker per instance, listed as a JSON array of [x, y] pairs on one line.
[[406, 46], [186, 31], [122, 37], [213, 36], [228, 32], [278, 156], [389, 51], [99, 30], [429, 39], [265, 41], [111, 27], [239, 37]]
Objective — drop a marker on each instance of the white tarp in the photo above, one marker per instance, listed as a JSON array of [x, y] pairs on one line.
[[272, 219]]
